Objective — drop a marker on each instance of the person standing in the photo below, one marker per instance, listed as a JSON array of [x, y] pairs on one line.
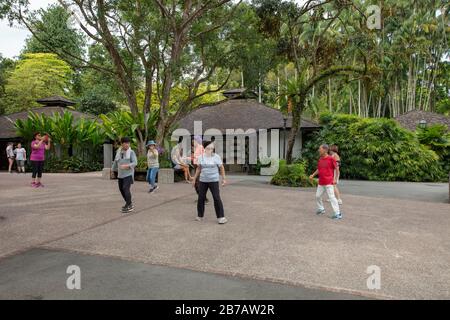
[[21, 157], [326, 167], [334, 152], [199, 150], [152, 165], [124, 163], [10, 156], [37, 157], [209, 168]]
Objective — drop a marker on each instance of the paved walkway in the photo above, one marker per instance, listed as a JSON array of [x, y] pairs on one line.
[[417, 191], [112, 278], [273, 234]]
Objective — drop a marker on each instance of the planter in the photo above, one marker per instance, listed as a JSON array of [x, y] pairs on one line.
[[140, 175], [166, 175]]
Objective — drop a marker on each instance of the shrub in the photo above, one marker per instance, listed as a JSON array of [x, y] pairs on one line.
[[142, 163], [71, 165], [374, 149], [437, 139], [293, 175]]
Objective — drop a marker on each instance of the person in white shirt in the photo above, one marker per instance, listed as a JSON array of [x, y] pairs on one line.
[[209, 170], [10, 156], [21, 157]]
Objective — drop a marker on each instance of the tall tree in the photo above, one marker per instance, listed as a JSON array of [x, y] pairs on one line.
[[37, 75], [6, 67], [306, 38], [157, 45], [52, 32]]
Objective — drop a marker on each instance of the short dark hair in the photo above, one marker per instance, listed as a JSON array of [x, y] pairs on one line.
[[125, 140], [334, 148], [207, 143], [35, 134]]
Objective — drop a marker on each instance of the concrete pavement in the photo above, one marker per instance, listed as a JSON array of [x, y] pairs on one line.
[[273, 233], [416, 191], [41, 274]]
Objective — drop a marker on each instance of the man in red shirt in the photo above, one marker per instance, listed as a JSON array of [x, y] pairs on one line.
[[326, 167]]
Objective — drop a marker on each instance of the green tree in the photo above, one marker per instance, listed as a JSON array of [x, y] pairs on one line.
[[6, 66], [306, 38], [52, 33], [160, 43], [96, 103], [36, 76]]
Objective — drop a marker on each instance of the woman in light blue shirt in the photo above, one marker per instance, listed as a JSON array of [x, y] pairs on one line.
[[210, 168]]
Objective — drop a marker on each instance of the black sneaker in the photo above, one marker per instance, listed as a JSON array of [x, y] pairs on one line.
[[128, 209], [151, 190]]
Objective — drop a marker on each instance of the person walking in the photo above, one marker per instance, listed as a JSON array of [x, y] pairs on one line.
[[326, 167], [209, 168], [152, 165], [37, 157], [10, 155], [21, 157], [124, 163], [334, 152]]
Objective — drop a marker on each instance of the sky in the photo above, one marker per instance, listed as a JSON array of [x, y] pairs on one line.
[[12, 39]]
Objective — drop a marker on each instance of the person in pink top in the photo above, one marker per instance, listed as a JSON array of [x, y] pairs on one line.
[[37, 157]]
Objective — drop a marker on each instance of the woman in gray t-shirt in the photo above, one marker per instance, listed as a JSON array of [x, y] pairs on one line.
[[210, 167]]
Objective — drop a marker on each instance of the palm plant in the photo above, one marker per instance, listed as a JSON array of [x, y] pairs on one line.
[[118, 124], [63, 131], [34, 123]]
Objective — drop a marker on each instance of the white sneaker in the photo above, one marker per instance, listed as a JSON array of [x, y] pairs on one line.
[[222, 220], [339, 201], [199, 219]]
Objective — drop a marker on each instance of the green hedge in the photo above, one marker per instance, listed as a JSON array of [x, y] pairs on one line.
[[437, 138], [293, 175], [375, 149], [71, 165]]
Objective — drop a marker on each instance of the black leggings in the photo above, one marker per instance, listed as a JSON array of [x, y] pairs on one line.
[[218, 205], [124, 187], [38, 168]]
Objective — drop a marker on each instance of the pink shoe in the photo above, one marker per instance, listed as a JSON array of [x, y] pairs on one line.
[[39, 185], [33, 184]]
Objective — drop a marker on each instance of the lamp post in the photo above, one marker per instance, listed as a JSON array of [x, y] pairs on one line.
[[422, 124], [284, 136]]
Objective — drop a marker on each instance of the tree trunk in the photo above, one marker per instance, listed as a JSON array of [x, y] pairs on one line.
[[329, 94]]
